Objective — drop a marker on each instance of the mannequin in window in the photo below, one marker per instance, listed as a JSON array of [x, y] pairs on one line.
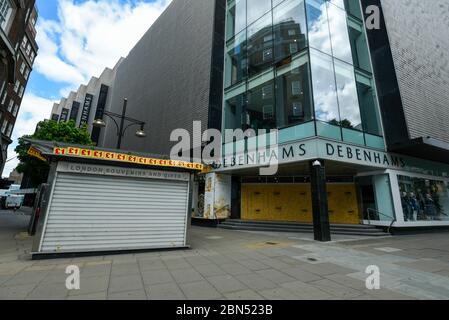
[[414, 203], [430, 207], [406, 206]]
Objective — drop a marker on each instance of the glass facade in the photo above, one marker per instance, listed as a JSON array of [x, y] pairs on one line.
[[302, 64]]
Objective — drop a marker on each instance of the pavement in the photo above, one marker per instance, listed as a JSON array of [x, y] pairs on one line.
[[236, 265]]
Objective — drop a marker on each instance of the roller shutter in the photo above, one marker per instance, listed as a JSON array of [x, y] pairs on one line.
[[103, 213]]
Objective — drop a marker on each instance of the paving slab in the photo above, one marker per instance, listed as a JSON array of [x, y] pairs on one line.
[[275, 275], [153, 264], [125, 283], [165, 291], [92, 284], [337, 290], [201, 290], [89, 296], [278, 294], [235, 269], [176, 263], [248, 295], [209, 270], [428, 265], [46, 291], [186, 275], [305, 291], [256, 282], [125, 269], [226, 284], [28, 277], [323, 269], [128, 295], [156, 277], [300, 274], [16, 292]]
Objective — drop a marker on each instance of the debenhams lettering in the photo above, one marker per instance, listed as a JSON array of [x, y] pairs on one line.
[[315, 149]]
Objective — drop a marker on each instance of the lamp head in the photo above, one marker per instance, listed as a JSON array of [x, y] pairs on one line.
[[141, 132], [99, 123]]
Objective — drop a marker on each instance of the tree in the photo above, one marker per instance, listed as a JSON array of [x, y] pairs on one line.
[[35, 170]]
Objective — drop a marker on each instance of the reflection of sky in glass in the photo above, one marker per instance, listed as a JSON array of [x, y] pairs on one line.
[[341, 46], [347, 94], [318, 26], [257, 8], [325, 97]]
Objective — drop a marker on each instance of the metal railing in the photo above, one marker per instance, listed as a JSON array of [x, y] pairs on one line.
[[370, 211]]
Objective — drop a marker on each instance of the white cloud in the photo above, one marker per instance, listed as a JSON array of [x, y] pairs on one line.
[[33, 110], [87, 37], [90, 36]]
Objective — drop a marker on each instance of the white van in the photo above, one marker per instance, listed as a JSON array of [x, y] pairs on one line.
[[9, 200]]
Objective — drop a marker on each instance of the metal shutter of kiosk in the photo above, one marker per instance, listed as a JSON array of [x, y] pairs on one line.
[[94, 213]]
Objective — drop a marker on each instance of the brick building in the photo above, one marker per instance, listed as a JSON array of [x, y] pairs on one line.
[[18, 50]]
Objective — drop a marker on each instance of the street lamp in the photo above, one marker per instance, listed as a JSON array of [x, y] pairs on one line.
[[121, 129]]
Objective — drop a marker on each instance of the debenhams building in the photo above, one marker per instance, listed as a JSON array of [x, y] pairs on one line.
[[362, 115], [339, 97]]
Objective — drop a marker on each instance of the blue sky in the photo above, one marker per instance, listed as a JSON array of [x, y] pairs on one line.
[[77, 39]]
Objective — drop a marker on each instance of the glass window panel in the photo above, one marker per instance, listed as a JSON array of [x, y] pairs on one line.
[[289, 24], [293, 98], [424, 199], [328, 130], [235, 113], [359, 46], [323, 84], [297, 132], [339, 3], [260, 45], [353, 136], [318, 26], [236, 63], [353, 8], [375, 141], [341, 46], [257, 8], [347, 96], [236, 17], [368, 105], [260, 110]]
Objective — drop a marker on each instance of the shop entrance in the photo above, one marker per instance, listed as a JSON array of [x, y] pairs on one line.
[[293, 203]]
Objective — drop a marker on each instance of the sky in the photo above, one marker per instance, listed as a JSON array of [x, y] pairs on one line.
[[77, 39]]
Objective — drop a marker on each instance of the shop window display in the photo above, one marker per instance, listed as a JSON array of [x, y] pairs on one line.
[[424, 199]]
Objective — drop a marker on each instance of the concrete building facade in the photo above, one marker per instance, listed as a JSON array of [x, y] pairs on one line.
[[88, 103]]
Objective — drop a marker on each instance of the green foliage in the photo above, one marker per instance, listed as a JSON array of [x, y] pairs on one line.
[[66, 132], [345, 123]]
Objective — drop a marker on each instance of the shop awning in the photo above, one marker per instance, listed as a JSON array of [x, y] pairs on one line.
[[87, 154], [424, 148]]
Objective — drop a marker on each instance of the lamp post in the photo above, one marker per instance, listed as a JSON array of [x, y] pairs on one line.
[[121, 129]]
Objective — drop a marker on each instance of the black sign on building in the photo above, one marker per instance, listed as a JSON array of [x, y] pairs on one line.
[[64, 115], [102, 98], [75, 108], [86, 109]]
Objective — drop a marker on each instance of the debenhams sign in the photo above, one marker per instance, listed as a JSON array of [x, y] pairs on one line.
[[315, 149]]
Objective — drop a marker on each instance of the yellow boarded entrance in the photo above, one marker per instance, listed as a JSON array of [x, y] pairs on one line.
[[293, 202]]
